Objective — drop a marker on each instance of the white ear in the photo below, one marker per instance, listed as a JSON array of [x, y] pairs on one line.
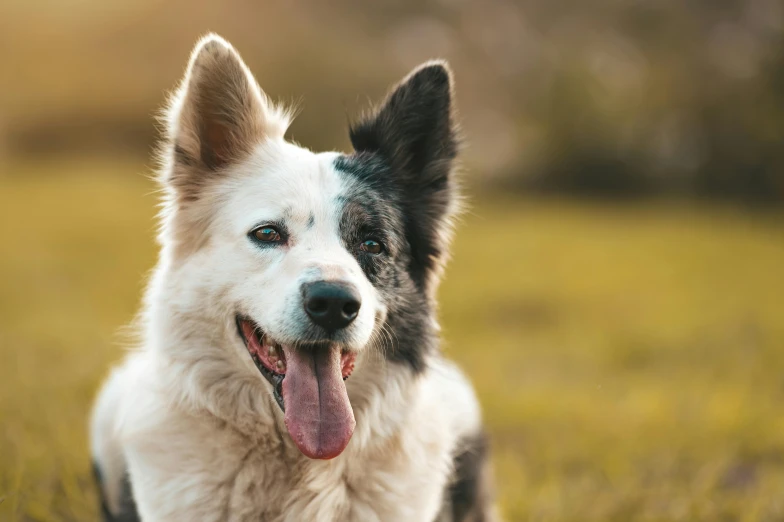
[[219, 113]]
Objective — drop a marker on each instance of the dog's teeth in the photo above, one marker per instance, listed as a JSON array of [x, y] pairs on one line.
[[272, 351], [280, 366]]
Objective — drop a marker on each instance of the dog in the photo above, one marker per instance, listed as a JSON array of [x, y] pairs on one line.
[[288, 367]]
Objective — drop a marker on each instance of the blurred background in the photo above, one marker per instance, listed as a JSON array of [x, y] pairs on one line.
[[617, 287]]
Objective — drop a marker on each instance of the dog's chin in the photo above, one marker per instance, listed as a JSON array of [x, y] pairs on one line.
[[307, 379]]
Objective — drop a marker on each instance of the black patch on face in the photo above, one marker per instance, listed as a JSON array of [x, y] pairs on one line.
[[401, 194], [370, 210], [311, 221]]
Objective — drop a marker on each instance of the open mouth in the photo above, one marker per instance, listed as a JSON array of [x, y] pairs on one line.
[[308, 385]]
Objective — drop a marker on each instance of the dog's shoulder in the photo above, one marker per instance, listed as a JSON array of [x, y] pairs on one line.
[[452, 394], [468, 495], [109, 463]]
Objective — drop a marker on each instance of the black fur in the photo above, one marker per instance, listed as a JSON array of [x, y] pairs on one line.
[[372, 211], [128, 511], [414, 133], [402, 196], [468, 493]]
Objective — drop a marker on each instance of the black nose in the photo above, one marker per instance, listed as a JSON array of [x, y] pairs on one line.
[[332, 306]]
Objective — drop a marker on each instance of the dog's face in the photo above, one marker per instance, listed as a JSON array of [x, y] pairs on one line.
[[315, 257], [306, 247]]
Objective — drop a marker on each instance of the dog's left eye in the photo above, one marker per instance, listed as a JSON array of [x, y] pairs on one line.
[[267, 234], [371, 246]]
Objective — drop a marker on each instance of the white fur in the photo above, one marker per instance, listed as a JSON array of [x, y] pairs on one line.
[[191, 418], [188, 465]]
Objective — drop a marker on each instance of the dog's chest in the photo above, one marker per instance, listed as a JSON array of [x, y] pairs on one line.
[[385, 485]]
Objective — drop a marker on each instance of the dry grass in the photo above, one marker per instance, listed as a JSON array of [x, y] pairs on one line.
[[629, 359]]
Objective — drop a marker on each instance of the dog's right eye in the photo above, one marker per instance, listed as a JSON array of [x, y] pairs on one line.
[[267, 234], [371, 246]]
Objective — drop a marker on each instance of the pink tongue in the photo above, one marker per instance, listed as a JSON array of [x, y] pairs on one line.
[[318, 414]]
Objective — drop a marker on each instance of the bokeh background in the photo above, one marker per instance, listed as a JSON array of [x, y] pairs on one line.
[[617, 288]]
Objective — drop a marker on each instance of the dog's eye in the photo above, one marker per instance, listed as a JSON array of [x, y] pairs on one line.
[[267, 234], [371, 246]]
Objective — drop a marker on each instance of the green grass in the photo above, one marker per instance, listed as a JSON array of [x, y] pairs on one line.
[[629, 358]]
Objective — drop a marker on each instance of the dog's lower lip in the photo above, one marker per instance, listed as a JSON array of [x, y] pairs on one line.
[[262, 348], [273, 377]]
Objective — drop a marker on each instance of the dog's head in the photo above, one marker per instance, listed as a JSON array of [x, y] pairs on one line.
[[314, 257]]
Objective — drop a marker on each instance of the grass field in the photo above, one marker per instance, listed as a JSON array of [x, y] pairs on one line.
[[630, 359]]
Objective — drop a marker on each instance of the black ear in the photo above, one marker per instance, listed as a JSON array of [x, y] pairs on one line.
[[414, 131], [218, 114], [413, 128]]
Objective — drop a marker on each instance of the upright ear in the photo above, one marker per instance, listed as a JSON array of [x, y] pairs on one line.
[[414, 128], [218, 114], [414, 131]]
